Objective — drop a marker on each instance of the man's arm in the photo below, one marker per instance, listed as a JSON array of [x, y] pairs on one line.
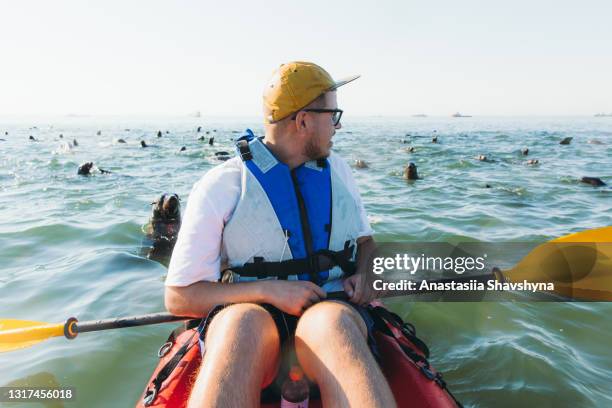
[[197, 299]]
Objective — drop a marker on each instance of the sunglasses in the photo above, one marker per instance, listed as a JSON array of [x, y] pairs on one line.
[[336, 114]]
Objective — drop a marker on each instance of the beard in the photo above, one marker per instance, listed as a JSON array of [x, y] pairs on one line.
[[314, 151]]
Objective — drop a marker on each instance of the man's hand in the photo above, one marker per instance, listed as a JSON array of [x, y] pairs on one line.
[[358, 290], [356, 286], [292, 297]]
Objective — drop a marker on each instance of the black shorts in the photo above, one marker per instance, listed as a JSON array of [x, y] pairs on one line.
[[286, 323]]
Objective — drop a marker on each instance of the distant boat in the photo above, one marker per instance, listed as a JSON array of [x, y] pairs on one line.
[[603, 115], [458, 115], [419, 115]]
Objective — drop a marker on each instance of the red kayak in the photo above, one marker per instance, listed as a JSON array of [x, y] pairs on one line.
[[402, 358]]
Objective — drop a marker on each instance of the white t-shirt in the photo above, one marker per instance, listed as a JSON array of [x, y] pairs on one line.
[[197, 253]]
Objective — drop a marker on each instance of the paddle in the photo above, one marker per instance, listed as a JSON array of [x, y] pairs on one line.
[[16, 334], [581, 265]]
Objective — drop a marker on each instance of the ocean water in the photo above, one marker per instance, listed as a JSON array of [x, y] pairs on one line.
[[71, 245]]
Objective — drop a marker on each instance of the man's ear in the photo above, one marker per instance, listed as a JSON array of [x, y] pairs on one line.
[[300, 120]]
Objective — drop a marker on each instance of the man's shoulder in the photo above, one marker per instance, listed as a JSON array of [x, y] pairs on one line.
[[339, 164], [226, 172], [222, 179]]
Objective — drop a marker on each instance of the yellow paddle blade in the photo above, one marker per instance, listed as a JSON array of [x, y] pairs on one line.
[[579, 265], [603, 235], [16, 334]]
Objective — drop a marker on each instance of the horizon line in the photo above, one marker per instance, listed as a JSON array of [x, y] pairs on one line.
[[250, 116]]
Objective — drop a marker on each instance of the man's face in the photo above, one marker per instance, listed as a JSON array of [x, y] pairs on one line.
[[319, 142]]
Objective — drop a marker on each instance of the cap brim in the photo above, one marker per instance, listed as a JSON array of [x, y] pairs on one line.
[[343, 81]]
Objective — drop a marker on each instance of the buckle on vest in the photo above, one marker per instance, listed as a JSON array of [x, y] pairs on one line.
[[245, 151]]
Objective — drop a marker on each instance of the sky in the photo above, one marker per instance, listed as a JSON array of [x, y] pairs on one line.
[[135, 57]]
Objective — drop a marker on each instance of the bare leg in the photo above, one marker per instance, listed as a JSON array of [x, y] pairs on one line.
[[242, 351], [331, 345]]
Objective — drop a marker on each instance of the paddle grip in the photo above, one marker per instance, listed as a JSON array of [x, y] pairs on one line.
[[70, 328]]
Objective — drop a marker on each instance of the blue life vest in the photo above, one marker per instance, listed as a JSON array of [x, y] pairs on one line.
[[290, 218]]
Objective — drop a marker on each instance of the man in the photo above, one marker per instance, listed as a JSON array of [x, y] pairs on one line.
[[281, 223]]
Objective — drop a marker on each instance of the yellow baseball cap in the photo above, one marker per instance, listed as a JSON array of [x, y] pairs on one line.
[[294, 85]]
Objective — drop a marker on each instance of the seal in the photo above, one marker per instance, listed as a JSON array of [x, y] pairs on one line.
[[74, 142], [159, 133], [533, 162], [120, 140], [409, 149], [525, 151], [434, 139], [594, 181], [222, 155], [163, 226], [201, 138], [483, 158], [32, 138], [143, 144], [183, 148], [410, 172], [99, 133], [361, 164], [211, 141], [199, 129], [86, 168], [566, 141]]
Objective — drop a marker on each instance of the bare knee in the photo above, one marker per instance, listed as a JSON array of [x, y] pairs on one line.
[[242, 347], [330, 319], [245, 327], [243, 321]]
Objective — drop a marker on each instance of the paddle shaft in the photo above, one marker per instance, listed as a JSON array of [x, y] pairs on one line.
[[121, 322]]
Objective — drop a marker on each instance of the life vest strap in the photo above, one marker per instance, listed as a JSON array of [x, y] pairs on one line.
[[244, 149], [320, 261]]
